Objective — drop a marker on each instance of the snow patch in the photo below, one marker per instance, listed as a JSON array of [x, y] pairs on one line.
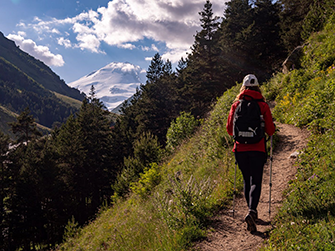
[[113, 83]]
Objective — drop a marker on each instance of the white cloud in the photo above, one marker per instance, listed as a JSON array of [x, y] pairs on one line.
[[38, 51], [22, 33], [89, 42], [123, 22], [64, 42], [127, 46]]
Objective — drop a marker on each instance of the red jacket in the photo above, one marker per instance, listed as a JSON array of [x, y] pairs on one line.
[[269, 126]]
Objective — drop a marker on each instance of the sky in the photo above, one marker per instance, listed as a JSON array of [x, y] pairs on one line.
[[77, 37]]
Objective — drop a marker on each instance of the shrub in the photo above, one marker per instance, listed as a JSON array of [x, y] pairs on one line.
[[181, 129]]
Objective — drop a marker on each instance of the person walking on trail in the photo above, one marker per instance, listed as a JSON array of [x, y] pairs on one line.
[[250, 151]]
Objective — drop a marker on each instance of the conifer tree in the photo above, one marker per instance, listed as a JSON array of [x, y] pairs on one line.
[[25, 127], [266, 45], [156, 106], [4, 183], [203, 77], [292, 17], [85, 150]]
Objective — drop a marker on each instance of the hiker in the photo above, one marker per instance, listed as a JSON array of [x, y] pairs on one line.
[[251, 157]]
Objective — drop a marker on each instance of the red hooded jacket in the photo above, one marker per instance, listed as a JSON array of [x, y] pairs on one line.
[[269, 125]]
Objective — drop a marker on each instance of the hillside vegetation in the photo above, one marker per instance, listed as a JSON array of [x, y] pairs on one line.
[[169, 205], [305, 98], [28, 82], [150, 178]]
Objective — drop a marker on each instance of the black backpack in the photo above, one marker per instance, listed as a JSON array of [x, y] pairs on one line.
[[248, 122]]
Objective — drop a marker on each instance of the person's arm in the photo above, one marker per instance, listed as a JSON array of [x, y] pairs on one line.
[[230, 121], [269, 125]]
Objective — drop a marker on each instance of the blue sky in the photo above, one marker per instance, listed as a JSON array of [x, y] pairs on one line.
[[76, 37]]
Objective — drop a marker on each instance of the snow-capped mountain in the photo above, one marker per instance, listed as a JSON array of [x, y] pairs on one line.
[[113, 83]]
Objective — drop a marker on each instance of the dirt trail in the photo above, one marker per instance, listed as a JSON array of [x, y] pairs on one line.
[[230, 233]]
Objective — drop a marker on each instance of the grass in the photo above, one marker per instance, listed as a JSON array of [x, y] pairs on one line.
[[305, 98], [171, 202], [71, 101], [8, 116]]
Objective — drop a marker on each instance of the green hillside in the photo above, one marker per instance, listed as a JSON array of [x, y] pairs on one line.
[[6, 117], [305, 98], [151, 178], [27, 82], [35, 69], [170, 203]]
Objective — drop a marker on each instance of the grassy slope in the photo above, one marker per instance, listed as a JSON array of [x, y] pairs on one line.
[[71, 101], [7, 116], [306, 97], [194, 182], [173, 214]]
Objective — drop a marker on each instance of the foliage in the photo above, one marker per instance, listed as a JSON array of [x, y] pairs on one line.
[[306, 94], [147, 151], [306, 98], [162, 200], [47, 181], [25, 127], [149, 179], [171, 201], [181, 129]]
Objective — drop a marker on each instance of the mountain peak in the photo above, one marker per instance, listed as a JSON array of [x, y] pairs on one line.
[[113, 83]]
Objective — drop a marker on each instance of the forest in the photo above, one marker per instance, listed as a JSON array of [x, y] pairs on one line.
[[89, 162]]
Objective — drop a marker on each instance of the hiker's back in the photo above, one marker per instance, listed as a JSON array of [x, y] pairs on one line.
[[248, 121]]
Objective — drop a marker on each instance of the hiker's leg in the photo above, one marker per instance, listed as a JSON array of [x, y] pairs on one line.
[[257, 160], [244, 165]]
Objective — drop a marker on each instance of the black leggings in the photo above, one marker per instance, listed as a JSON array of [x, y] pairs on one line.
[[251, 165]]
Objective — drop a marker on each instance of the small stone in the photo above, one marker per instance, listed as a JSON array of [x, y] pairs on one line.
[[294, 155]]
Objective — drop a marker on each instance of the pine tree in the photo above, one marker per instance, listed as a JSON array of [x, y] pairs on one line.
[[237, 25], [85, 149], [156, 106], [204, 72], [266, 45], [25, 127], [155, 69], [4, 184], [292, 17]]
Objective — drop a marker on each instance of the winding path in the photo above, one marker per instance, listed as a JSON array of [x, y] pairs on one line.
[[228, 232]]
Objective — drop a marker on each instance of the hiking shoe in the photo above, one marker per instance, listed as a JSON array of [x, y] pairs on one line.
[[250, 220], [254, 214]]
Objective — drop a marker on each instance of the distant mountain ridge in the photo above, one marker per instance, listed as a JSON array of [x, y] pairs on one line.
[[35, 68], [28, 82], [114, 83]]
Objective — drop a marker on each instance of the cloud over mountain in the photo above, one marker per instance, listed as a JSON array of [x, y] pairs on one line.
[[41, 52]]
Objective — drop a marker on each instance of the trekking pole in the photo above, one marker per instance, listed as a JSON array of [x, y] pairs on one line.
[[270, 183], [234, 189]]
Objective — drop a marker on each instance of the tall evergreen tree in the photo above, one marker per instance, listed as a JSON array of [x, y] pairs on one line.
[[25, 127], [156, 107], [204, 75], [237, 25], [4, 184], [266, 44], [292, 18], [85, 150]]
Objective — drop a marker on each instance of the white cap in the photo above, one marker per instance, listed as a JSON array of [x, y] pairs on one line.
[[250, 80]]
